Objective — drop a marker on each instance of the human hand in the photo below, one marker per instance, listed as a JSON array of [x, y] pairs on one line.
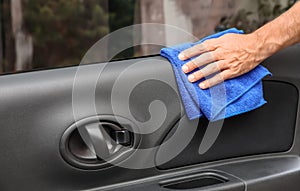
[[227, 57]]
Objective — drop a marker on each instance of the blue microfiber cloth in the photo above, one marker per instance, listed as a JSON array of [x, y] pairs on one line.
[[233, 97]]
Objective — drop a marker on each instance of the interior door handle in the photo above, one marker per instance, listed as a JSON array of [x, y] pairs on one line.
[[95, 139], [102, 142]]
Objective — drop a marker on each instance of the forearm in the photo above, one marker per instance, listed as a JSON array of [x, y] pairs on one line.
[[280, 33]]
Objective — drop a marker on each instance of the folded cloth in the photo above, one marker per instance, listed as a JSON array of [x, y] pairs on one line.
[[233, 97]]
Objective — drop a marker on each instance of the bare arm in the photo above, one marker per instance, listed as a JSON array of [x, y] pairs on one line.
[[235, 54]]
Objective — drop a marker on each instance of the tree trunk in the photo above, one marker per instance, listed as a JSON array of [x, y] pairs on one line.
[[23, 41]]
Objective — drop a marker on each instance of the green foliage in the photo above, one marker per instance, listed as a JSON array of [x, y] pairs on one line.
[[63, 30]]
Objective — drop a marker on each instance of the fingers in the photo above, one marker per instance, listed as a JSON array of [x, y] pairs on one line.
[[206, 71], [194, 51], [201, 60], [218, 78]]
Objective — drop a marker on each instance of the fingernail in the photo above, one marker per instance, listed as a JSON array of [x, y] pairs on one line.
[[181, 56], [202, 85], [191, 78], [185, 68]]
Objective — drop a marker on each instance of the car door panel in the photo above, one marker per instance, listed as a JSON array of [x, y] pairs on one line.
[[258, 150]]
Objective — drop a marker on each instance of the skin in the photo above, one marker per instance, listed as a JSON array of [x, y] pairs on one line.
[[233, 55]]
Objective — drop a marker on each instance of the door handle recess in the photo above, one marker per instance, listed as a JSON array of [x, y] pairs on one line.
[[94, 143]]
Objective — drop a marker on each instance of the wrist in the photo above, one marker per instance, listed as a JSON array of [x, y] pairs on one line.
[[265, 44]]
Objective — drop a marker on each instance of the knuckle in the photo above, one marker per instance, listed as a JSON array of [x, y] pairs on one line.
[[191, 52], [211, 56], [199, 74], [237, 70], [186, 53], [208, 82], [192, 64], [234, 72], [218, 66], [207, 70], [219, 78], [200, 47], [216, 55], [230, 74], [223, 65], [198, 61], [210, 44]]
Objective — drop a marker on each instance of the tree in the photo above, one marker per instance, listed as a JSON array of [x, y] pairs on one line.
[[64, 30], [23, 40]]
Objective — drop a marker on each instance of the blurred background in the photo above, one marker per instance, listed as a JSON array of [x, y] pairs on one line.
[[40, 34]]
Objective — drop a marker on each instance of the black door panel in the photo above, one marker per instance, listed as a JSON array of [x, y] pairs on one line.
[[38, 107]]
